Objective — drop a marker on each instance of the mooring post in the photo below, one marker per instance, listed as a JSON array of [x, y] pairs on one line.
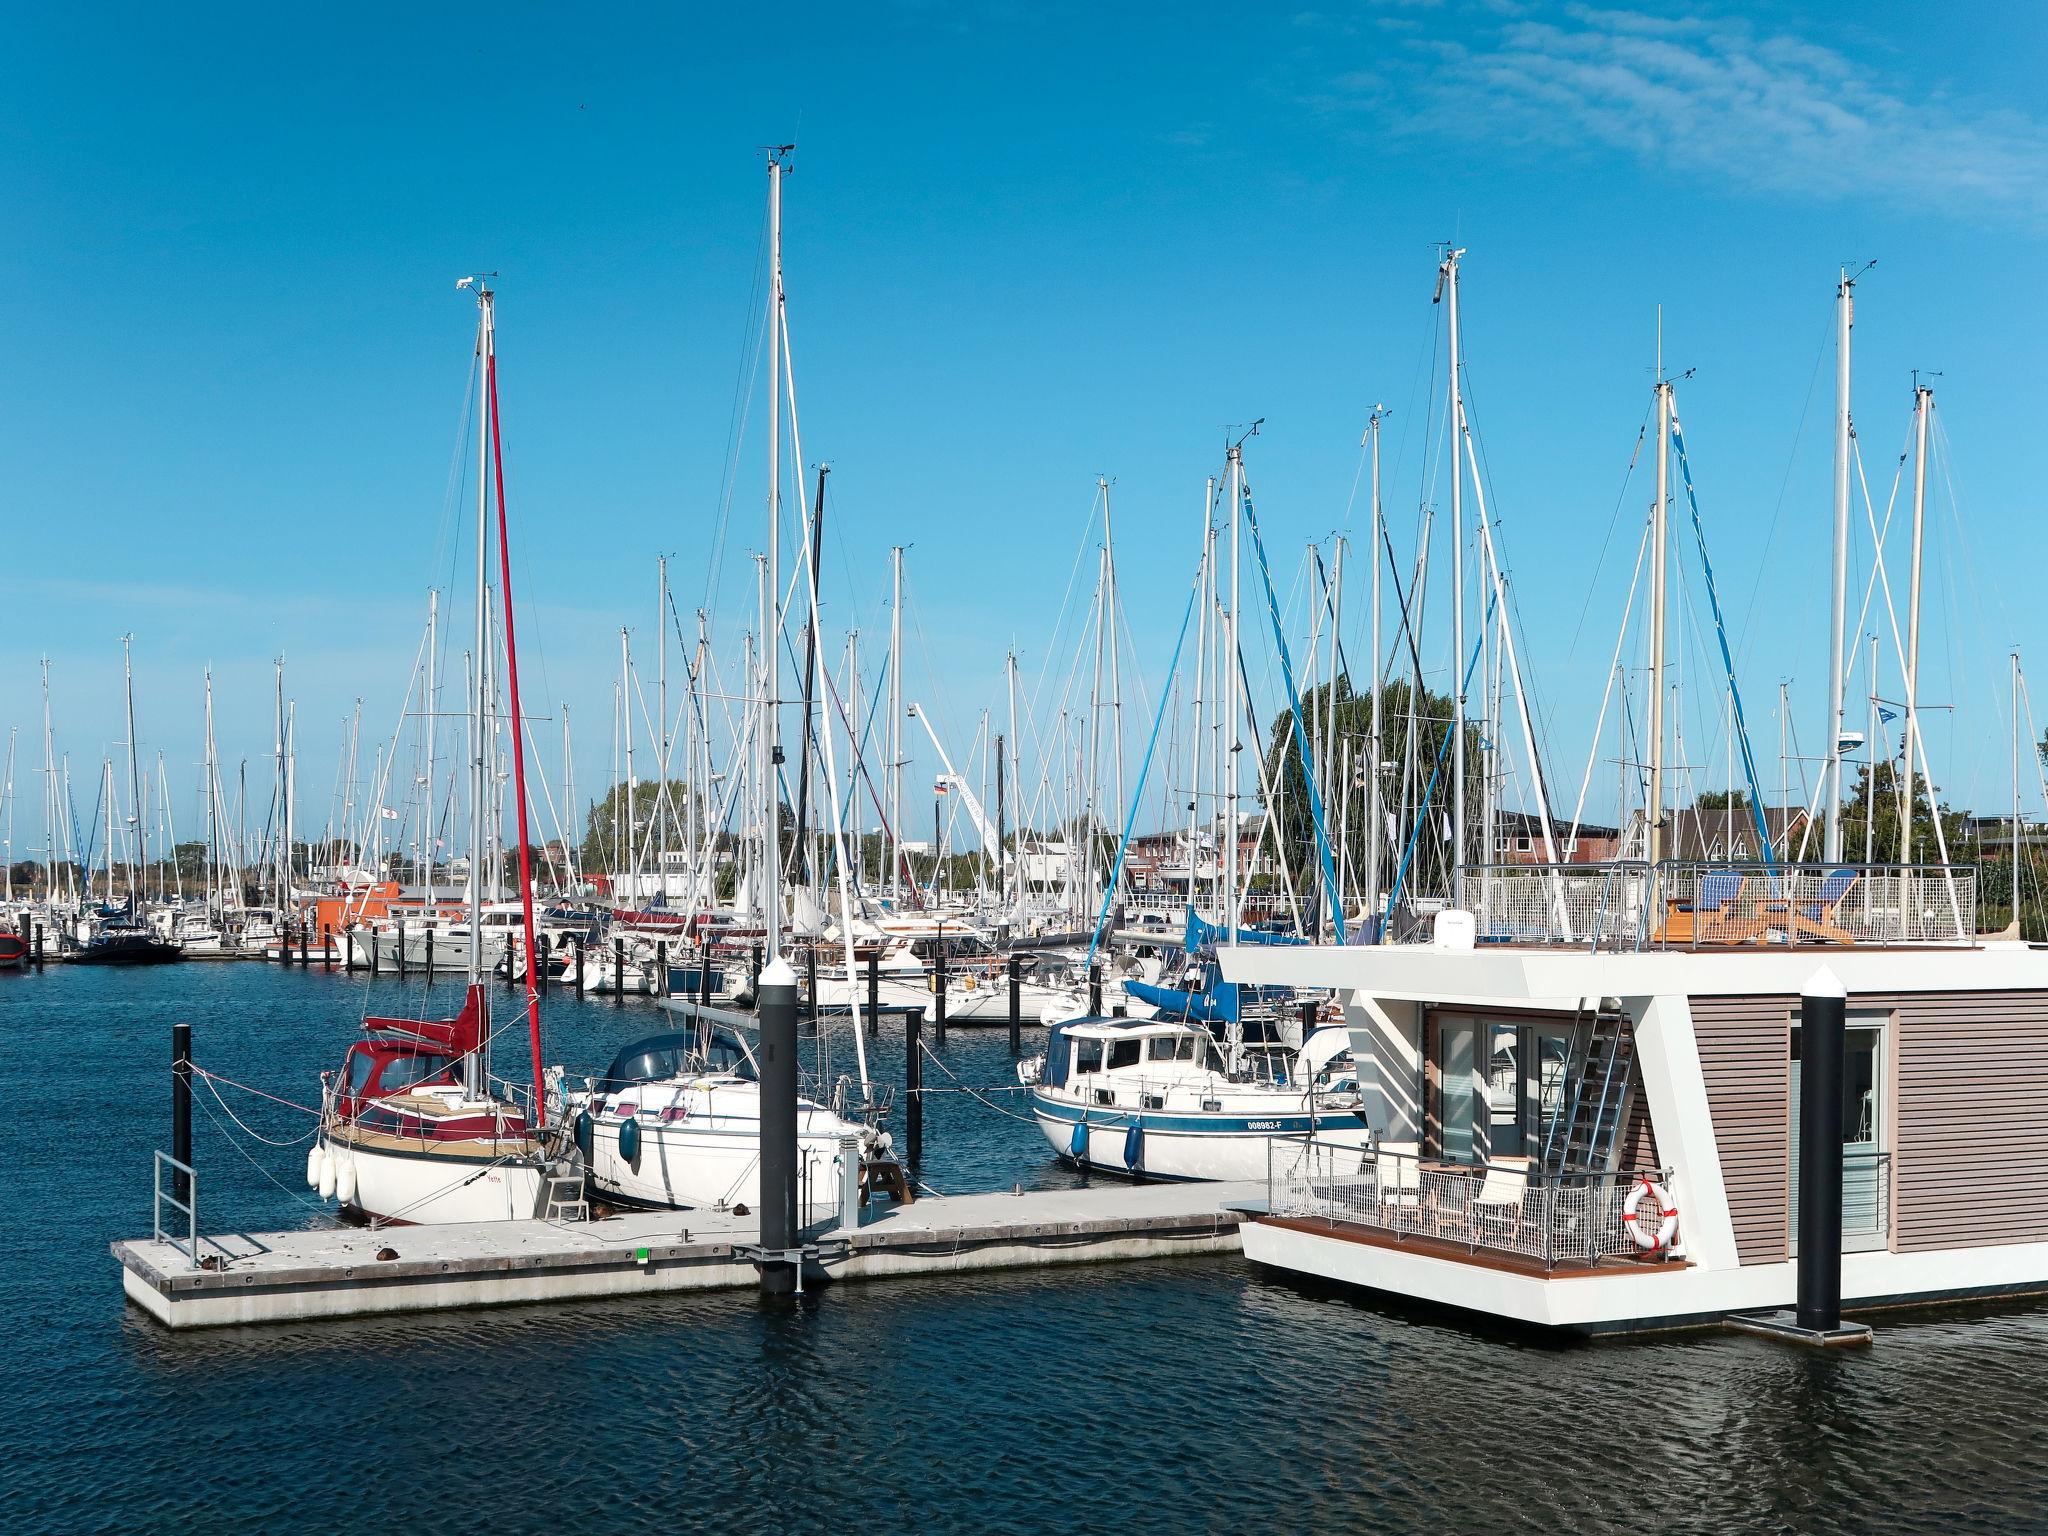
[[39, 946], [1016, 1003], [1095, 990], [1823, 1008], [305, 943], [545, 945], [661, 988], [473, 938], [618, 972], [811, 988], [939, 994], [704, 974], [754, 976], [181, 1108], [780, 1222], [1308, 1021], [582, 945], [913, 1085], [875, 990], [327, 949]]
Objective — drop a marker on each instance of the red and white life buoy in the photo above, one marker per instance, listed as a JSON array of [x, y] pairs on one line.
[[1654, 1228]]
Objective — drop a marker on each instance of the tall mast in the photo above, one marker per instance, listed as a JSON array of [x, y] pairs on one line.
[[1092, 814], [895, 794], [1447, 280], [1375, 818], [433, 698], [630, 811], [661, 719], [1205, 583], [1016, 778], [1236, 712], [771, 624], [1845, 320], [1653, 806], [1116, 686], [53, 814], [1329, 764], [2015, 787], [473, 886], [1923, 407], [140, 855]]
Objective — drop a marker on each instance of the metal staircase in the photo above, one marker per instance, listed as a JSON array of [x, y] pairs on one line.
[[1599, 1091]]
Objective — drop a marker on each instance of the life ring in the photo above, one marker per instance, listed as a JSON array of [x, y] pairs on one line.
[[1638, 1221]]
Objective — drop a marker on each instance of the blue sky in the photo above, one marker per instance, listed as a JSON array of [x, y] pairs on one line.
[[1025, 246]]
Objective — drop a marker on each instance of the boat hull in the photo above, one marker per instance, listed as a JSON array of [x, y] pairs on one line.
[[1179, 1145], [468, 1182], [711, 1161]]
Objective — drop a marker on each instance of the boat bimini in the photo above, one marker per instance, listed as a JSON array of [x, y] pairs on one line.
[[675, 1123], [1155, 1099]]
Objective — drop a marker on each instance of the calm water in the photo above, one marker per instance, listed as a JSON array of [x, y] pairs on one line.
[[1184, 1395]]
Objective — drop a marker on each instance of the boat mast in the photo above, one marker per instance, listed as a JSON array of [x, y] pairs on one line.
[[1923, 406], [2015, 787], [1201, 656], [1375, 818], [1016, 787], [771, 620], [1329, 763], [433, 698], [1653, 807], [1845, 320], [1447, 281], [1235, 696], [661, 720], [475, 1068], [139, 855], [1116, 687], [895, 794], [630, 811]]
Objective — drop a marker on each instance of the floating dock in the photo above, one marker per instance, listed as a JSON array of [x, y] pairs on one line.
[[282, 1277]]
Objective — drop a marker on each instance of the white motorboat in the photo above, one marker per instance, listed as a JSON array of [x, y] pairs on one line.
[[1156, 1099]]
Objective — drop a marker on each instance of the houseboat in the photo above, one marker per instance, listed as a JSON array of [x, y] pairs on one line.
[[1583, 1098]]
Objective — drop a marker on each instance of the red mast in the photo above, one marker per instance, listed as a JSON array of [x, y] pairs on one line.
[[518, 748]]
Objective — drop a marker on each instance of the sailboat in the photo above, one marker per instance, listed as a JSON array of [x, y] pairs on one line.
[[414, 1128], [676, 1120]]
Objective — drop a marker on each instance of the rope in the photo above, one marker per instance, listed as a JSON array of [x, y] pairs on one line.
[[247, 1129], [216, 1077], [970, 1092], [293, 1194]]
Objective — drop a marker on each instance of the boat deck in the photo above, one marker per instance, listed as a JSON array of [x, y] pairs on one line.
[[272, 1277]]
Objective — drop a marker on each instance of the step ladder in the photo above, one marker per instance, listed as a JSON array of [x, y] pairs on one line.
[[562, 1197], [1599, 1091]]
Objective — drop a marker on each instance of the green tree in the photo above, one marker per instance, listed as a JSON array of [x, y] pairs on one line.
[[1723, 800], [1871, 818], [1414, 747], [602, 848]]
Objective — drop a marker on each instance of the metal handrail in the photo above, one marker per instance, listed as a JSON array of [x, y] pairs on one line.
[[163, 1197]]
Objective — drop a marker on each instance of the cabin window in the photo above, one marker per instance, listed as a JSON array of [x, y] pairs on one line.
[[362, 1066], [1168, 1047], [404, 1071], [1124, 1053], [1087, 1055]]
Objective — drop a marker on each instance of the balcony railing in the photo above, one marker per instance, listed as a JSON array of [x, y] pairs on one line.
[[1691, 905], [1504, 1208]]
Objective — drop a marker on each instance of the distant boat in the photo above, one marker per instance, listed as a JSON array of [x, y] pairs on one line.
[[13, 951], [124, 944]]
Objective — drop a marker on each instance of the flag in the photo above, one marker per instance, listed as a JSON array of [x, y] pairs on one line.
[[941, 789], [387, 813], [1886, 716]]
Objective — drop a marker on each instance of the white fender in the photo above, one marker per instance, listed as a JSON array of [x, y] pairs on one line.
[[345, 1181], [327, 1176], [314, 1157]]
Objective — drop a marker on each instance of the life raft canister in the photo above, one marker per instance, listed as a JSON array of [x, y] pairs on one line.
[[1654, 1228]]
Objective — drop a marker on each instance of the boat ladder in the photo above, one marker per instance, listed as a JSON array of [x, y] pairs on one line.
[[1599, 1092]]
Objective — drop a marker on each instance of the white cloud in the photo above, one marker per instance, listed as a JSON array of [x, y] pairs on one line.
[[1716, 97]]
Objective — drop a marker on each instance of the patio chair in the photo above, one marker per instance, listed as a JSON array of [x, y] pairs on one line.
[[1818, 921], [1399, 1165], [1719, 914], [1497, 1208]]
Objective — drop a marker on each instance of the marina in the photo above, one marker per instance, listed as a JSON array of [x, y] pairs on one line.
[[1335, 825]]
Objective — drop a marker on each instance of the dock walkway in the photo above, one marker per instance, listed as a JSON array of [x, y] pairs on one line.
[[277, 1277]]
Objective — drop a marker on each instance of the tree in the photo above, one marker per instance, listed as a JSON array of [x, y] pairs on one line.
[[1871, 819], [602, 848], [1414, 746], [1723, 800]]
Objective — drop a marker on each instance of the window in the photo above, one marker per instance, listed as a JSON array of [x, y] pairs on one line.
[[362, 1066], [1087, 1055], [1169, 1048], [1864, 1136], [402, 1072], [1124, 1053]]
